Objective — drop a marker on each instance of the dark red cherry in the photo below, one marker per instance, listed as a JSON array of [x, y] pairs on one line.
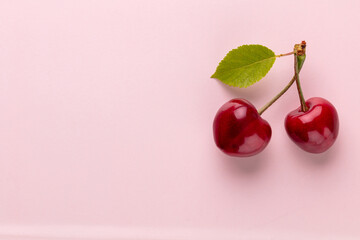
[[315, 130], [239, 130]]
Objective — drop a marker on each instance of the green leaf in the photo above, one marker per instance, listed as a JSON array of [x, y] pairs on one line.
[[245, 65]]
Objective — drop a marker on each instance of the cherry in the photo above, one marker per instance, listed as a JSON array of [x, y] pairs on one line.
[[316, 129], [239, 130]]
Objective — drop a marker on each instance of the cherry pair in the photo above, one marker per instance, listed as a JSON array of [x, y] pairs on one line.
[[240, 131], [238, 127]]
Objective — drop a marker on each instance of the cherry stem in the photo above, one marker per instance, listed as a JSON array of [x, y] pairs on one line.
[[299, 54], [304, 108], [274, 99], [285, 54]]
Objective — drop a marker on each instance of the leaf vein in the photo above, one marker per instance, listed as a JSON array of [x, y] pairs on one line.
[[244, 66]]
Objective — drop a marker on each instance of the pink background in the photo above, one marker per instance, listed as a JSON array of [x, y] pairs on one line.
[[107, 110]]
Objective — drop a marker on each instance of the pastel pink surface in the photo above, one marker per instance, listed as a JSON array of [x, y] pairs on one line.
[[106, 121]]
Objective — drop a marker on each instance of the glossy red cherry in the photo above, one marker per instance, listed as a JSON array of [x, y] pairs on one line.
[[315, 130], [239, 130]]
